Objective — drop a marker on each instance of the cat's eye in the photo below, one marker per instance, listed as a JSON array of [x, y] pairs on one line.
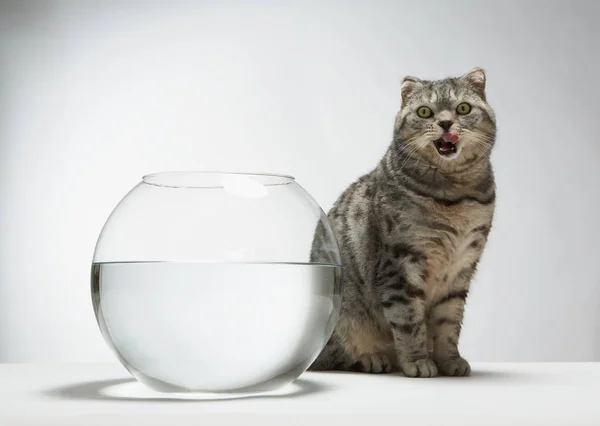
[[424, 112], [463, 109]]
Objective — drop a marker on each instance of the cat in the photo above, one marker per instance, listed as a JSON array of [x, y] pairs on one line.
[[411, 233]]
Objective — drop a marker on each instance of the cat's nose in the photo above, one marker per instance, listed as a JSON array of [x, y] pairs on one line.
[[446, 124]]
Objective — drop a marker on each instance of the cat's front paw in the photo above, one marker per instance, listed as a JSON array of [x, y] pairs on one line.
[[372, 363], [454, 367], [420, 368]]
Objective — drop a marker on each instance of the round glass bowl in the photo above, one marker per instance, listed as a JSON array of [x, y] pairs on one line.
[[216, 282]]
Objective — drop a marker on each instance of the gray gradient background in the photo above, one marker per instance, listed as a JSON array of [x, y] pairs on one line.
[[93, 97]]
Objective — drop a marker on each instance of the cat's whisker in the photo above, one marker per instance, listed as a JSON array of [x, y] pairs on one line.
[[412, 144], [422, 145]]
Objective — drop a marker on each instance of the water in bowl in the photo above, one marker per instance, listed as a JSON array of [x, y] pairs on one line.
[[215, 327]]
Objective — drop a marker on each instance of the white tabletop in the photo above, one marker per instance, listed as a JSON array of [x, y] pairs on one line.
[[496, 394]]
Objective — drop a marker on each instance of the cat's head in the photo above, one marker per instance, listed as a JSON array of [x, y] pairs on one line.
[[446, 122]]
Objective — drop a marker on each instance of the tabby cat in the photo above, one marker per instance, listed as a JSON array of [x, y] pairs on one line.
[[411, 233]]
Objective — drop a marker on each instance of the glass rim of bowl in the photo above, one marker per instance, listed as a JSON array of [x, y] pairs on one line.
[[210, 179]]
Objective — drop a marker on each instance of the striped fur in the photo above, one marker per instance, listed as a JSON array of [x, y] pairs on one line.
[[411, 233]]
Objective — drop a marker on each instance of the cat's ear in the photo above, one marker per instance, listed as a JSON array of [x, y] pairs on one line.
[[476, 79], [408, 86]]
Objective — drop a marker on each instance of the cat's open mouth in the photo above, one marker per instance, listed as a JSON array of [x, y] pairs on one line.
[[446, 145], [443, 147]]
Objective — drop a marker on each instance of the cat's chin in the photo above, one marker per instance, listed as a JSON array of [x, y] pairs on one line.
[[451, 157]]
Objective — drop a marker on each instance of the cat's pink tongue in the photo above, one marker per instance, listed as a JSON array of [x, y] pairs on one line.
[[450, 137]]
